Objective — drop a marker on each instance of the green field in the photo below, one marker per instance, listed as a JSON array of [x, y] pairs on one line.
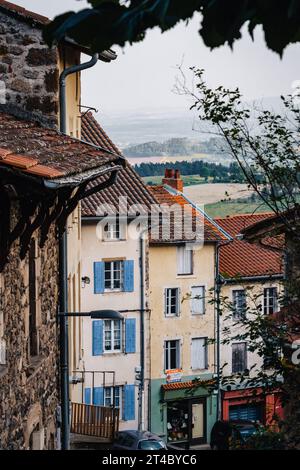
[[188, 180], [222, 209]]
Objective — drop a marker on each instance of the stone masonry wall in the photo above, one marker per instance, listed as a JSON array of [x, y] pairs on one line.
[[29, 391], [28, 68]]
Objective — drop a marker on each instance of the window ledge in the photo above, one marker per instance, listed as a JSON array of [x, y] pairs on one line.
[[186, 276]]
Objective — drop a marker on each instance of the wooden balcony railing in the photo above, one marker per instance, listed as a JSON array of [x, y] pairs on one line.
[[91, 420]]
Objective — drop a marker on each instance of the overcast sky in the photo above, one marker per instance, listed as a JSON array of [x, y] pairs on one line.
[[144, 74]]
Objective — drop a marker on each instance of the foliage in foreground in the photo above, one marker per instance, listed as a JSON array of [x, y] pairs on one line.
[[117, 22]]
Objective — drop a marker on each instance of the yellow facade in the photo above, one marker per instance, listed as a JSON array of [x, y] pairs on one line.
[[163, 274]]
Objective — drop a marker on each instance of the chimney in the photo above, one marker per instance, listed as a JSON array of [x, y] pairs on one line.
[[172, 178]]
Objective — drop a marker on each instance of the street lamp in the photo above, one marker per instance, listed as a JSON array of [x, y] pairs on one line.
[[64, 363]]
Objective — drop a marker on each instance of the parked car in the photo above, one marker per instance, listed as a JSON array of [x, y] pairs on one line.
[[138, 440], [231, 434]]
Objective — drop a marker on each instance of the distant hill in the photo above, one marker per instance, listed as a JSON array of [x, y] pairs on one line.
[[136, 126], [172, 147]]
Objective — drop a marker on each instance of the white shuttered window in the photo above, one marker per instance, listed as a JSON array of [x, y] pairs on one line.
[[198, 300], [199, 353]]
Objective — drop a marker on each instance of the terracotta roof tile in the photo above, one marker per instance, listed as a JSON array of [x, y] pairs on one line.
[[19, 161], [128, 183], [44, 152], [164, 196], [242, 259], [188, 384]]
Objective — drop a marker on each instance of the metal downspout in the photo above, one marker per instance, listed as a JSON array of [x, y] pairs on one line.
[[142, 335], [63, 265]]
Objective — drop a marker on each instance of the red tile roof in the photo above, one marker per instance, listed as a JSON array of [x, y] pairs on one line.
[[12, 8], [242, 259], [166, 195], [45, 153], [128, 183]]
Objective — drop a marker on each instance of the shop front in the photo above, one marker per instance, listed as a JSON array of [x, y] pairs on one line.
[[251, 404], [186, 421], [182, 413]]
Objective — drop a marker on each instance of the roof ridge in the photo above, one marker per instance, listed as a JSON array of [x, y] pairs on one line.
[[197, 208], [232, 216]]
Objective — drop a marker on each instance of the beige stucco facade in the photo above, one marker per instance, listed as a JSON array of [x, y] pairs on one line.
[[163, 274]]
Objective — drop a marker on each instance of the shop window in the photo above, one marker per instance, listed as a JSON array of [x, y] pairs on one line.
[[177, 421], [172, 354], [270, 300]]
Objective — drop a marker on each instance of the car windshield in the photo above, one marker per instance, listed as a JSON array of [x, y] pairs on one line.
[[151, 444]]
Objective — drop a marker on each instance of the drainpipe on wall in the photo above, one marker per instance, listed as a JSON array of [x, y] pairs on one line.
[[218, 345], [63, 266], [142, 337]]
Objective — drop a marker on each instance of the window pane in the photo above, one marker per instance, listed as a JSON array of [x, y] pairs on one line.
[[107, 271], [184, 260], [239, 303], [270, 300], [239, 357], [117, 334]]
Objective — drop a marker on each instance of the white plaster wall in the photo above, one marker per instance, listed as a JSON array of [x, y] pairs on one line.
[[226, 349], [124, 364]]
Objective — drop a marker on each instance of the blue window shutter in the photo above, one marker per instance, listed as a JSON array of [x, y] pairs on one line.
[[87, 396], [129, 276], [98, 398], [129, 403], [97, 337], [99, 277], [130, 335]]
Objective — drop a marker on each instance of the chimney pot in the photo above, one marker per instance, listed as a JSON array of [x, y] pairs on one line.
[[172, 178]]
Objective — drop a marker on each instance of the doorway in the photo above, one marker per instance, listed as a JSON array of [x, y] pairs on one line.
[[186, 421]]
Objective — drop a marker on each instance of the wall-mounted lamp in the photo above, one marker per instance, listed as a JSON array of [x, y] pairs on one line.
[[85, 281]]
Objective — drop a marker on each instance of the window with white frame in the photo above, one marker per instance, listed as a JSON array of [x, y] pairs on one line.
[[113, 271], [199, 358], [172, 354], [239, 357], [112, 335], [110, 399], [198, 300], [184, 260], [172, 302], [239, 303], [112, 230], [270, 300]]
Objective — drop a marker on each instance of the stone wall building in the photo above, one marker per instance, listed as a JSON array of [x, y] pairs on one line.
[[43, 176]]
